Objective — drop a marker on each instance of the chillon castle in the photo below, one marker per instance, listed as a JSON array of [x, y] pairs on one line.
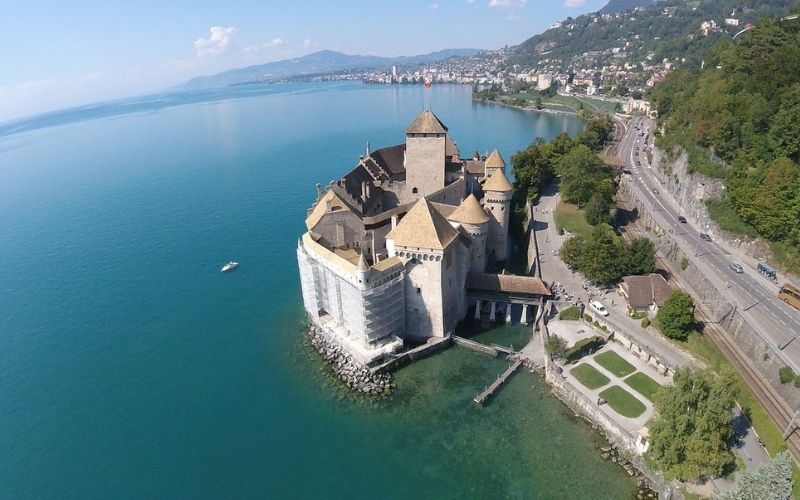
[[401, 247]]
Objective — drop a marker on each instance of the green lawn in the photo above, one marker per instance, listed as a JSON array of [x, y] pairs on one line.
[[571, 219], [589, 376], [623, 402], [614, 363], [643, 384]]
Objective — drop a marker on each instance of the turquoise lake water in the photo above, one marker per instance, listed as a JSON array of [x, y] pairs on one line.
[[132, 368]]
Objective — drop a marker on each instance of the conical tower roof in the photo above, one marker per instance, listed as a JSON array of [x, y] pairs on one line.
[[426, 123], [495, 160], [469, 212], [498, 182], [423, 227], [362, 263]]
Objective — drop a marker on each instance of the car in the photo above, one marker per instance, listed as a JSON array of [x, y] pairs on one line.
[[682, 219], [655, 191], [705, 237], [598, 307], [737, 268], [638, 162]]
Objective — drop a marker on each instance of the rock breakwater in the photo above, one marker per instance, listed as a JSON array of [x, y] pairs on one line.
[[355, 375]]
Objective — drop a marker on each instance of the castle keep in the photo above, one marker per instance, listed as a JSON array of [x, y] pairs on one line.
[[392, 245]]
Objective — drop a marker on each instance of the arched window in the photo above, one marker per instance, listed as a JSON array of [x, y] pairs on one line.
[[414, 191]]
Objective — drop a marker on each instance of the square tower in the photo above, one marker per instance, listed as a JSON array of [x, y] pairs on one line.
[[426, 138]]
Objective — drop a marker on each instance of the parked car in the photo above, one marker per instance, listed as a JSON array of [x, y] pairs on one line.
[[655, 191], [682, 219], [705, 237], [737, 268], [598, 307]]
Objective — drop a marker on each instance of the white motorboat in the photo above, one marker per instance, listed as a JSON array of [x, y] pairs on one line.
[[230, 266]]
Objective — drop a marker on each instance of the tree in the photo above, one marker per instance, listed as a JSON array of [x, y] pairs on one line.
[[601, 261], [555, 346], [675, 318], [772, 481], [572, 252], [640, 257], [692, 432], [597, 210], [538, 103]]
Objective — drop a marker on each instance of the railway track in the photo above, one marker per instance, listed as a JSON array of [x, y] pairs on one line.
[[773, 404]]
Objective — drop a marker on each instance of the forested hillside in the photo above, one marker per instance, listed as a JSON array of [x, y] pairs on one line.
[[669, 29], [739, 118]]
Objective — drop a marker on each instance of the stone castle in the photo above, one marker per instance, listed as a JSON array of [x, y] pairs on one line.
[[391, 246]]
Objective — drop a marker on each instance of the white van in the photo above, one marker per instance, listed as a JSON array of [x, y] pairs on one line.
[[598, 307]]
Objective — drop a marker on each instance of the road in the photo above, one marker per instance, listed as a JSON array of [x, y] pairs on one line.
[[553, 270], [752, 295]]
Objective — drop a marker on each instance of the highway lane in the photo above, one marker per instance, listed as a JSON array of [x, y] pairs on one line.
[[777, 322]]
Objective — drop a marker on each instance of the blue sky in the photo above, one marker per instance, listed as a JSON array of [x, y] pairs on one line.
[[59, 54]]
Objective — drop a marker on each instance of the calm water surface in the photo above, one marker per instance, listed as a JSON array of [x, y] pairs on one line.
[[130, 367]]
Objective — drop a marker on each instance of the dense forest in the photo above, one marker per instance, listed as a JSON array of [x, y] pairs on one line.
[[739, 119], [669, 29]]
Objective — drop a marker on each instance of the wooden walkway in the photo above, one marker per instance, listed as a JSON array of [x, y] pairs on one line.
[[489, 391]]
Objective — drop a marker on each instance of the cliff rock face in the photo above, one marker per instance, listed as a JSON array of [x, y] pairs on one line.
[[690, 193]]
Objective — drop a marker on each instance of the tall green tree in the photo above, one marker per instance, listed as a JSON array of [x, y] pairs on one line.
[[640, 257], [692, 432], [598, 210], [675, 318]]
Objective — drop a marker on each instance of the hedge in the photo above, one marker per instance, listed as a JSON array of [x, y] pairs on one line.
[[583, 347]]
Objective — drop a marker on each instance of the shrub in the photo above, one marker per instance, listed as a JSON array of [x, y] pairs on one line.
[[786, 374], [645, 323], [797, 381], [639, 315], [684, 263], [583, 347], [570, 314], [555, 345], [587, 318]]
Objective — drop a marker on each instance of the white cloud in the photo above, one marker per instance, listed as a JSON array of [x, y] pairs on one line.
[[513, 17], [571, 4], [220, 40], [469, 2], [272, 44], [504, 4], [433, 6], [308, 43]]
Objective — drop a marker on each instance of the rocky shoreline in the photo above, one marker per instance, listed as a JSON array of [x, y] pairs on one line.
[[612, 453], [356, 376]]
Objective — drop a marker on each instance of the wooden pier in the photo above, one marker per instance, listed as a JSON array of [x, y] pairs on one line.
[[489, 391]]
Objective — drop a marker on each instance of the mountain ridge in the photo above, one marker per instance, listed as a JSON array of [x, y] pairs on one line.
[[323, 61]]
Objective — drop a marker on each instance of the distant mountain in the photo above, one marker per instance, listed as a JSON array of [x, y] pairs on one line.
[[324, 61], [614, 6]]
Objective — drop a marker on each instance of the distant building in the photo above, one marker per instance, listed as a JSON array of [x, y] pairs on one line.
[[732, 21], [544, 82], [644, 293]]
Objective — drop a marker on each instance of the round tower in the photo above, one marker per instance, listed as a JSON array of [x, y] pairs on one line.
[[362, 271], [471, 216], [497, 202]]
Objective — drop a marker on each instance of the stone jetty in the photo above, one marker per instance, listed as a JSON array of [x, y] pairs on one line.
[[356, 376]]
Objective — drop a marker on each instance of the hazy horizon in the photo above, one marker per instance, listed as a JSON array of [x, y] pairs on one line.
[[71, 55]]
